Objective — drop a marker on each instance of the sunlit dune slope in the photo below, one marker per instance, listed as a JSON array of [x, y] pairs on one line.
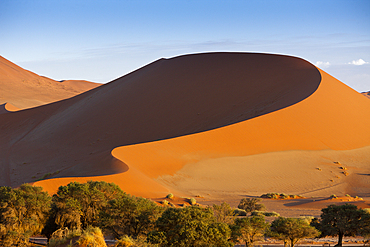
[[25, 89], [216, 111]]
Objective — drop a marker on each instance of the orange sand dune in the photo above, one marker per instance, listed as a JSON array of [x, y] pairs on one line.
[[216, 124], [25, 89]]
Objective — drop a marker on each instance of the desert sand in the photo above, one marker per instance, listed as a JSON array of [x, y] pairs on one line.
[[24, 89], [219, 125]]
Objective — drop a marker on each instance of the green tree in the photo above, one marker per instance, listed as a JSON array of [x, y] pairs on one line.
[[223, 213], [251, 204], [78, 205], [292, 230], [249, 229], [130, 215], [23, 212], [341, 220], [190, 226]]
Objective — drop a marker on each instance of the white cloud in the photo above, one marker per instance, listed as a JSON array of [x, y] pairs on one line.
[[358, 62], [322, 64]]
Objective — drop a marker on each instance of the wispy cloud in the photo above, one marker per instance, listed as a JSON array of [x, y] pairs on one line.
[[322, 64], [358, 62]]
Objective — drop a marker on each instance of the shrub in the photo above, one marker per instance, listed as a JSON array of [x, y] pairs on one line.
[[92, 236], [62, 235], [271, 214], [124, 241], [251, 204], [267, 214], [240, 212], [192, 201], [170, 196]]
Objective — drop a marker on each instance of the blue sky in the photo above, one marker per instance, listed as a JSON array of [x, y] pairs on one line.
[[100, 40]]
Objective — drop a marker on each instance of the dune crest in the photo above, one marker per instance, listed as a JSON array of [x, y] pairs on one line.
[[25, 89]]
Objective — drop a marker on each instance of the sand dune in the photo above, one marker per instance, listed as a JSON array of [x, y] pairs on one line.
[[215, 124], [366, 94], [25, 89]]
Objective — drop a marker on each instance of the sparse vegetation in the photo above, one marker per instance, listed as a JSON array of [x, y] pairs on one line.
[[134, 220], [263, 213], [251, 204], [46, 175], [170, 196], [280, 196], [192, 201]]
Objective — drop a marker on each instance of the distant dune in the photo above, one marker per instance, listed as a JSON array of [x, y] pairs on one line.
[[215, 124], [25, 89], [366, 94]]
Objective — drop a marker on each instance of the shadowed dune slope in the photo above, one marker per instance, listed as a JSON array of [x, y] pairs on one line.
[[25, 89], [166, 99]]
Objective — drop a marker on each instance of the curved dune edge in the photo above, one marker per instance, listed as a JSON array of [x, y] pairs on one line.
[[325, 121], [7, 107]]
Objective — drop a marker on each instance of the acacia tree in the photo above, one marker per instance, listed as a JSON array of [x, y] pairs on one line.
[[251, 204], [223, 213], [249, 229], [78, 205], [23, 212], [341, 220], [130, 215], [292, 230], [190, 226]]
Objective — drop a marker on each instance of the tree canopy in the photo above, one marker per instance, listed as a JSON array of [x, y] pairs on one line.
[[23, 212], [79, 205], [342, 220], [130, 215], [292, 230], [251, 204], [190, 226], [249, 229]]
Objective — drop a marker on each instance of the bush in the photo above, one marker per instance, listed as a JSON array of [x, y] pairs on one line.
[[92, 236], [62, 235], [124, 241], [240, 212], [267, 214], [251, 204], [192, 201], [170, 196]]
